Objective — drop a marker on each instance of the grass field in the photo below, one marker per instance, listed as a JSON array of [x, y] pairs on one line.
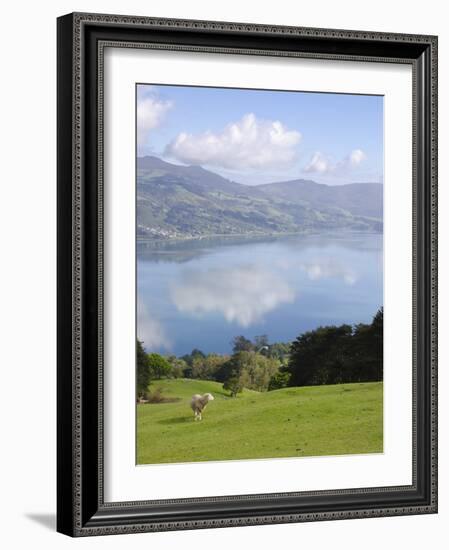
[[292, 422]]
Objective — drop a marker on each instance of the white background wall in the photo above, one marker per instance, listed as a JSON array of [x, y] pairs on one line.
[[28, 283]]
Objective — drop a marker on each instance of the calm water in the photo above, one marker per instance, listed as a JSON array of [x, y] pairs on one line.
[[202, 294]]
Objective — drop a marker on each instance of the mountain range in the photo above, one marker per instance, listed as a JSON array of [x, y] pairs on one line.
[[184, 202]]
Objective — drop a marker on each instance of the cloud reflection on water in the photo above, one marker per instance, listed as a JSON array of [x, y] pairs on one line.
[[323, 268], [329, 268], [242, 294], [149, 330]]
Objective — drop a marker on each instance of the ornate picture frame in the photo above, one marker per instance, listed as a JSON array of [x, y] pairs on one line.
[[81, 508]]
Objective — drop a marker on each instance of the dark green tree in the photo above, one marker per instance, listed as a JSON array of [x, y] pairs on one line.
[[320, 356], [240, 343], [190, 357], [279, 380], [234, 385], [367, 350], [143, 369], [197, 353], [333, 355]]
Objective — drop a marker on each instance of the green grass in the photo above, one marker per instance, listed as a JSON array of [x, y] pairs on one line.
[[292, 422]]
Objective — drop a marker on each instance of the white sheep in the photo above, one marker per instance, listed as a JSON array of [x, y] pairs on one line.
[[199, 403]]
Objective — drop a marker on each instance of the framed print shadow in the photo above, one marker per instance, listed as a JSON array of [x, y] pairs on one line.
[[247, 274]]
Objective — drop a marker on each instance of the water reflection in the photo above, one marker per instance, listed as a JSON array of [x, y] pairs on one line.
[[183, 251], [241, 294], [201, 294], [329, 268], [320, 268], [149, 329]]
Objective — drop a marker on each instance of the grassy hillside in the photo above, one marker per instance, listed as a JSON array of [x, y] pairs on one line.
[[308, 421], [360, 199], [184, 202]]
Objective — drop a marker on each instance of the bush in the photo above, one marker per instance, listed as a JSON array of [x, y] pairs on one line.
[[156, 397]]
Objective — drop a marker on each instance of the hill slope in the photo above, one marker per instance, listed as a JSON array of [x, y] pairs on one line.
[[181, 202], [292, 422], [361, 199]]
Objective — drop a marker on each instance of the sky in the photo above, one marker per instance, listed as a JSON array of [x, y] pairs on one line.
[[262, 136]]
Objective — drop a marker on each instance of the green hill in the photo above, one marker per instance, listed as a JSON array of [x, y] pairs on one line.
[[292, 422], [185, 202]]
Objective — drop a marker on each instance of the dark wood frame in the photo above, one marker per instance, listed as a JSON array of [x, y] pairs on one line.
[[81, 509]]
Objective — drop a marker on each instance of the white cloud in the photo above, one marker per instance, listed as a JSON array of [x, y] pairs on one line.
[[356, 157], [150, 330], [241, 294], [248, 143], [318, 163], [322, 164], [151, 111]]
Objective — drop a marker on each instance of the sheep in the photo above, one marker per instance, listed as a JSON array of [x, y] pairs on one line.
[[199, 403]]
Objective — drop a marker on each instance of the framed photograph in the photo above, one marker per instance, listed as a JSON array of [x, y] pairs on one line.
[[247, 284]]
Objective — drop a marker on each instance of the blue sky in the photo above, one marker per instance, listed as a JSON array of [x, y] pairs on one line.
[[259, 136]]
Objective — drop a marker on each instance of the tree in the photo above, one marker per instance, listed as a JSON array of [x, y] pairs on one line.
[[337, 354], [178, 366], [195, 353], [279, 380], [252, 370], [261, 343], [320, 356], [233, 385], [158, 365], [262, 372], [367, 350], [206, 368], [231, 373], [279, 350], [143, 369], [240, 343]]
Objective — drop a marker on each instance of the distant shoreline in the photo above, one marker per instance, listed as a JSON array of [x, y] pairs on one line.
[[248, 237]]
